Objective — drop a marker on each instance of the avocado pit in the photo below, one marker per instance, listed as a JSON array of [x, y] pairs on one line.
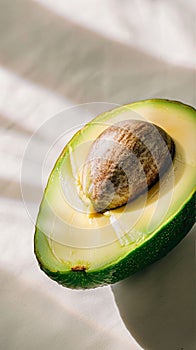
[[124, 161]]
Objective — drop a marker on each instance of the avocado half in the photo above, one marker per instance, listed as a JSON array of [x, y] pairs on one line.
[[81, 249]]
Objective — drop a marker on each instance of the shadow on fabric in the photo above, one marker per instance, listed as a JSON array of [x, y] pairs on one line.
[[157, 304]]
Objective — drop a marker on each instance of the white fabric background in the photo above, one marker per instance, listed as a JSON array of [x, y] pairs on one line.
[[53, 55]]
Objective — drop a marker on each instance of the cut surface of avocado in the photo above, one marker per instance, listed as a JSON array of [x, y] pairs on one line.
[[80, 248]]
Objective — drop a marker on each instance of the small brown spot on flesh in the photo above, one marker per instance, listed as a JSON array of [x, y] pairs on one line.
[[79, 268]]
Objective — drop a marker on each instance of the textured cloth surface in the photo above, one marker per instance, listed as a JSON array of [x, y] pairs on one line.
[[58, 54]]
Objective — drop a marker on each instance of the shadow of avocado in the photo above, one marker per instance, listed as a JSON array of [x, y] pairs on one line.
[[157, 304]]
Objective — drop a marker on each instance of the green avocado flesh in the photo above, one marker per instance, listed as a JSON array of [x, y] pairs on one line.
[[82, 249]]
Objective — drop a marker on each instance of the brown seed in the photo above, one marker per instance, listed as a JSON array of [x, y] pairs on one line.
[[124, 161]]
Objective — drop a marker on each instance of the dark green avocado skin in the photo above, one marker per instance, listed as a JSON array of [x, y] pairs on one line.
[[145, 254]]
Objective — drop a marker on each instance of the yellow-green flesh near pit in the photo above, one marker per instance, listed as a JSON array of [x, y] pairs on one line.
[[80, 249]]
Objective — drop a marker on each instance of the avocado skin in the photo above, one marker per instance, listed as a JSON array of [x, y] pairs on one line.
[[145, 254]]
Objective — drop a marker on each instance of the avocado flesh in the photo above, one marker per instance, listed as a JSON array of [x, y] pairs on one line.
[[81, 249]]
